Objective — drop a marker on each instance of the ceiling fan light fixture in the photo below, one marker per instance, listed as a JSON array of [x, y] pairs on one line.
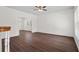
[[40, 10]]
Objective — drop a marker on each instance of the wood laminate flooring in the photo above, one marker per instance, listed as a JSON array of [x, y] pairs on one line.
[[41, 42]]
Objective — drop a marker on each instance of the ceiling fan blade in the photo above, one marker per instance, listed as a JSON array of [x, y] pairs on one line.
[[38, 6], [44, 6]]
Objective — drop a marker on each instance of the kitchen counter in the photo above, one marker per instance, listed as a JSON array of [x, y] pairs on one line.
[[4, 28]]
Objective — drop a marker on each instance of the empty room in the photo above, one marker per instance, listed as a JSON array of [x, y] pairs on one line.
[[39, 29]]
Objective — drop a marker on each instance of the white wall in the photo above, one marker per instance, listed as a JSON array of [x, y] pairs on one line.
[[34, 25], [11, 17], [76, 21], [60, 23]]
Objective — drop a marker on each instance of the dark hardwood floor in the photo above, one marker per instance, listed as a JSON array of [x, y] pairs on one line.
[[41, 42], [54, 43]]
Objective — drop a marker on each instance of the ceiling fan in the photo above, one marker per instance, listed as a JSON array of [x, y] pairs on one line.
[[40, 8]]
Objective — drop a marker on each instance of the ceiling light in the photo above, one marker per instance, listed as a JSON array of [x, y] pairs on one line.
[[40, 10]]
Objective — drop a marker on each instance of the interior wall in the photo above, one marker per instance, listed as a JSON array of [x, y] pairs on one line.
[[11, 17], [59, 23], [34, 25], [76, 21]]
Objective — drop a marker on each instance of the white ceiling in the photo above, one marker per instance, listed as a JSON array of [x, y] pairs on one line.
[[30, 9]]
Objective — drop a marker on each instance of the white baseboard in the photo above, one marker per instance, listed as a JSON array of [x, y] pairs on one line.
[[53, 33]]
